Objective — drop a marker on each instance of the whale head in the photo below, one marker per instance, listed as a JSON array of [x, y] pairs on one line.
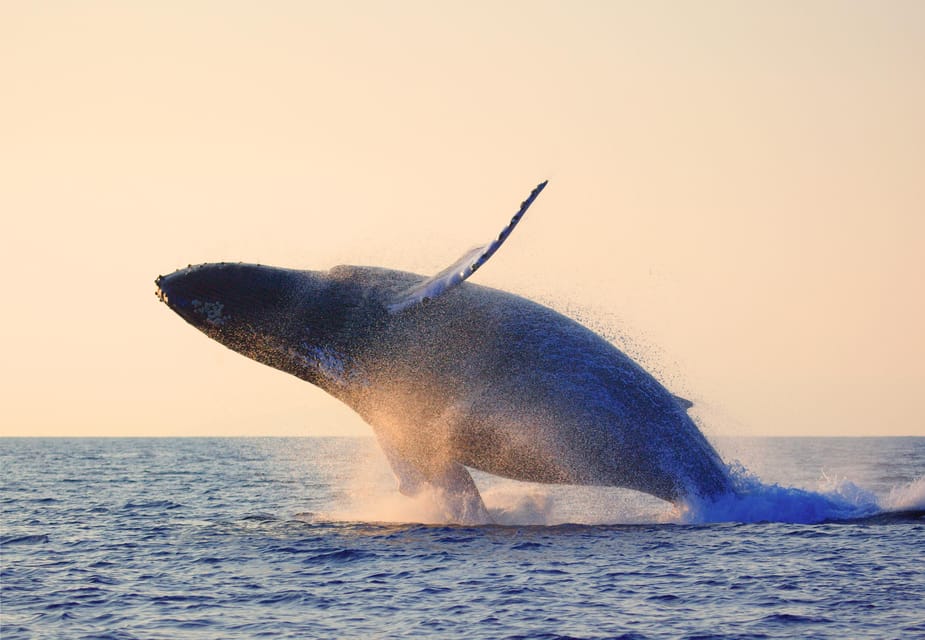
[[302, 322], [223, 299]]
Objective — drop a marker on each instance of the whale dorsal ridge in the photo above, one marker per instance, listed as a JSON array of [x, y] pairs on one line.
[[462, 268]]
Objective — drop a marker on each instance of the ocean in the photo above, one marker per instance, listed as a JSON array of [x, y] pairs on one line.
[[308, 538]]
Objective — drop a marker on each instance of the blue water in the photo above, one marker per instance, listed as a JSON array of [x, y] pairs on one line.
[[304, 538]]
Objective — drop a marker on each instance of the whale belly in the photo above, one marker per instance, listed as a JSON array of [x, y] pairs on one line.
[[517, 390]]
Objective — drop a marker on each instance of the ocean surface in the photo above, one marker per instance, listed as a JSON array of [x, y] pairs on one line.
[[308, 538]]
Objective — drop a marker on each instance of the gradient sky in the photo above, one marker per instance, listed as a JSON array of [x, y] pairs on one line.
[[736, 188]]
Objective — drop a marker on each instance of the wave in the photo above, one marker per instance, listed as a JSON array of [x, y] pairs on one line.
[[27, 539]]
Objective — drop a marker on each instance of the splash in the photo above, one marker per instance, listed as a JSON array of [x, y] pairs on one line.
[[755, 501], [371, 496], [367, 502], [838, 499], [509, 504], [366, 490], [909, 497]]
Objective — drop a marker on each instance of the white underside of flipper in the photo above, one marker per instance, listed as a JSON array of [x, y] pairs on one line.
[[462, 268]]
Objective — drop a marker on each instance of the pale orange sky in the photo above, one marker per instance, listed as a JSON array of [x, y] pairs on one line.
[[738, 188]]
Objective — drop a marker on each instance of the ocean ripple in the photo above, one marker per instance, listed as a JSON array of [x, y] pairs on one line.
[[141, 548]]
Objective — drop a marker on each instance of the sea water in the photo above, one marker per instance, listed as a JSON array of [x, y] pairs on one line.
[[308, 538]]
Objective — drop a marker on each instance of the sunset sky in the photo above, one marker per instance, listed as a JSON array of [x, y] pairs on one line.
[[737, 192]]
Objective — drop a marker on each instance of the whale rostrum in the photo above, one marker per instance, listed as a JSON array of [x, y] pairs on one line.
[[451, 375]]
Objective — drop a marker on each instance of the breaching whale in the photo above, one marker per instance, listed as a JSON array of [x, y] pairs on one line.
[[452, 375]]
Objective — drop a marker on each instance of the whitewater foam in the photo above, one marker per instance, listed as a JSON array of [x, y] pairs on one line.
[[512, 503], [368, 492], [907, 497], [836, 499]]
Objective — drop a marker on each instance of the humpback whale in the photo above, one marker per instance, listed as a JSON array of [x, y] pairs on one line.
[[452, 375]]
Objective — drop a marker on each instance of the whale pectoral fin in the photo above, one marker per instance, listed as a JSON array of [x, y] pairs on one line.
[[462, 268], [410, 478], [459, 496], [453, 487]]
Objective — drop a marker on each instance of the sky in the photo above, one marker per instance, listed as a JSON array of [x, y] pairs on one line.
[[736, 193]]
